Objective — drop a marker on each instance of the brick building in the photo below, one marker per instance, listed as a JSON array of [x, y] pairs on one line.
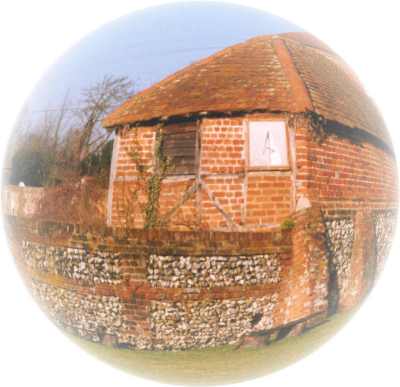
[[252, 194], [253, 134]]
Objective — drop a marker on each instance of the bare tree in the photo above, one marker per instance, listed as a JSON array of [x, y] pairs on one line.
[[65, 137], [22, 127], [97, 101], [59, 122]]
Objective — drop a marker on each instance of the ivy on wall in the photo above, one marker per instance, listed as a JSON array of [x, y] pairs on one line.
[[150, 179]]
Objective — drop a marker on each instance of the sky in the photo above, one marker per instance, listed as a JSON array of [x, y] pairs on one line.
[[149, 45]]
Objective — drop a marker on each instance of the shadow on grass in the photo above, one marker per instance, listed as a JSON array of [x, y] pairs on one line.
[[220, 365]]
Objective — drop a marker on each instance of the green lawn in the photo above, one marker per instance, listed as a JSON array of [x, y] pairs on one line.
[[219, 365]]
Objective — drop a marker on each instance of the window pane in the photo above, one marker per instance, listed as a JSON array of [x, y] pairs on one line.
[[268, 145]]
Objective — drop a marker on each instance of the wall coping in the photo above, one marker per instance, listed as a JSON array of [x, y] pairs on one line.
[[149, 241]]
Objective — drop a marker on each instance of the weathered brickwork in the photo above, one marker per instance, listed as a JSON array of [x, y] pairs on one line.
[[333, 172], [134, 144], [222, 146], [224, 248], [269, 198], [177, 290], [178, 203], [127, 199], [73, 262], [337, 173], [203, 324], [223, 195], [222, 202], [343, 176], [306, 287], [195, 272]]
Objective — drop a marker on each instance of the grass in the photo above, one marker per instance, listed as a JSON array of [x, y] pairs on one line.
[[220, 365]]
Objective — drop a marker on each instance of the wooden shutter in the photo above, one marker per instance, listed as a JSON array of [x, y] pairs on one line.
[[179, 146]]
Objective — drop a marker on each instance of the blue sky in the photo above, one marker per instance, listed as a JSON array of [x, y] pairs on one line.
[[150, 44]]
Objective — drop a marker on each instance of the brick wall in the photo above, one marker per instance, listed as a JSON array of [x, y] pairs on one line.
[[137, 275], [127, 194], [155, 280], [222, 146], [268, 197], [224, 195], [350, 180], [253, 199], [339, 173], [335, 172], [307, 283]]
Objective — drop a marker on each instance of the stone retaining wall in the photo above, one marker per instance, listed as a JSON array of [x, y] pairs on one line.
[[73, 262], [90, 316], [93, 317], [209, 323], [178, 290], [198, 272], [129, 287], [384, 228], [340, 238]]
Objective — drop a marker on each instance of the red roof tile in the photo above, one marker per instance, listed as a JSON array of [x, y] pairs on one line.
[[335, 91], [291, 72], [307, 39]]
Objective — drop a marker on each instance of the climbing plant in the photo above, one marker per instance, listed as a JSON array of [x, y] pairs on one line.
[[150, 179]]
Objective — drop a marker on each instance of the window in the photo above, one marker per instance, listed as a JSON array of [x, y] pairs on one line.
[[268, 146], [179, 146]]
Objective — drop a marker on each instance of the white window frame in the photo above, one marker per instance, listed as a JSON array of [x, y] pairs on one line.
[[250, 165]]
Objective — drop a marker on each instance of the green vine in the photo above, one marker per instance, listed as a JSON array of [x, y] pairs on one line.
[[151, 181], [287, 224]]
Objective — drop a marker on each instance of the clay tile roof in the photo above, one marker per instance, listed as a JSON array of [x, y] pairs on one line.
[[336, 92], [307, 39], [292, 72]]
